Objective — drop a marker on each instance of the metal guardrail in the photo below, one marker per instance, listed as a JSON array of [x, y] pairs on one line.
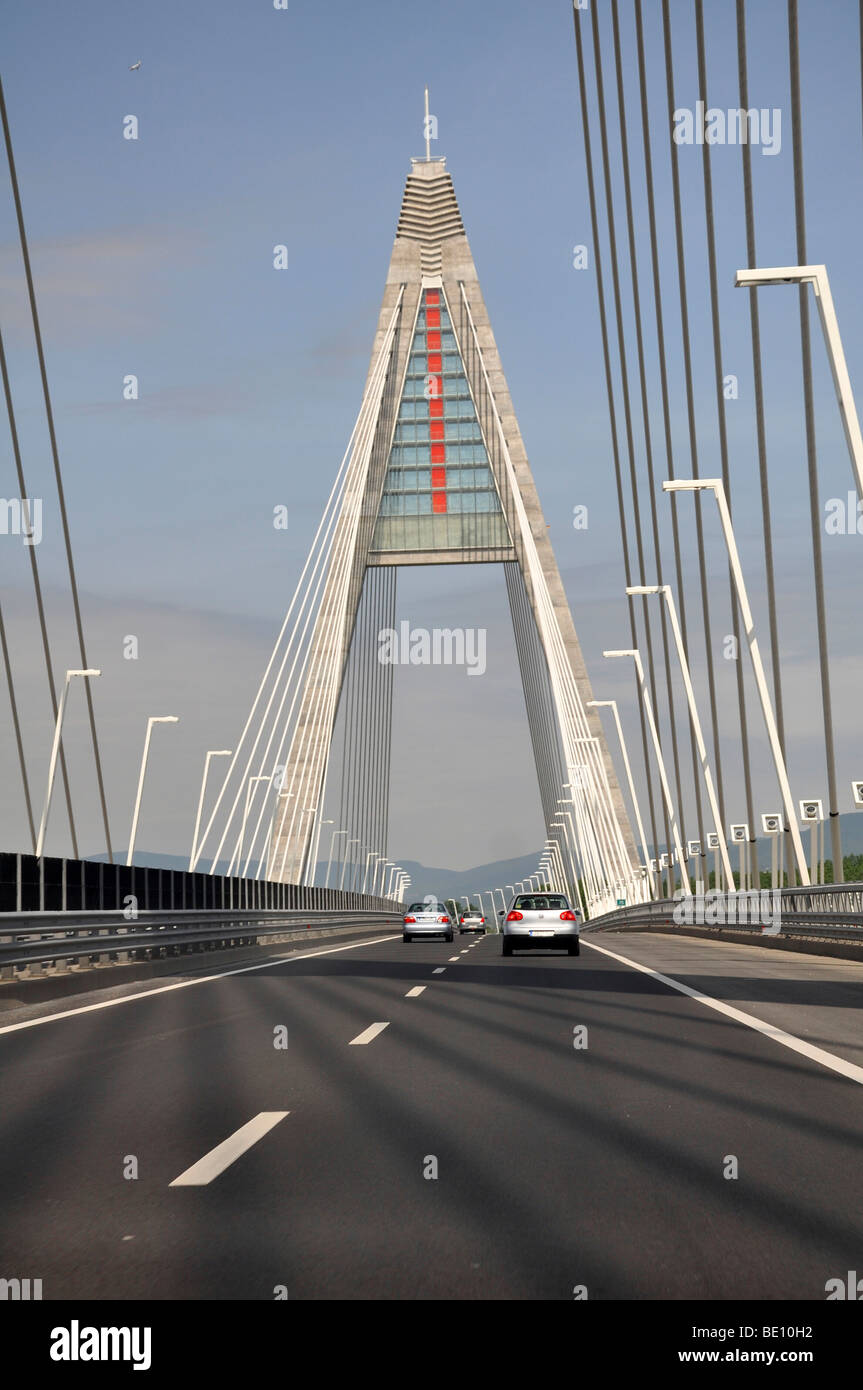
[[33, 938], [831, 911]]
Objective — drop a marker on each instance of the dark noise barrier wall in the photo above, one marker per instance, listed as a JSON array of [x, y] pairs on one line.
[[28, 884]]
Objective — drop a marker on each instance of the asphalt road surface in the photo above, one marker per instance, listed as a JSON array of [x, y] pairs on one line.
[[431, 1130]]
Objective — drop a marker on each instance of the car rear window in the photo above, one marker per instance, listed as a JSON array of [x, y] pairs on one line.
[[434, 908], [541, 902]]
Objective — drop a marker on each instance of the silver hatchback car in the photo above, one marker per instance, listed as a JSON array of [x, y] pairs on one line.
[[428, 918], [540, 919]]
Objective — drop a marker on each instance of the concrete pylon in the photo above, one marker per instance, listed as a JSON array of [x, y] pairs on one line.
[[445, 480]]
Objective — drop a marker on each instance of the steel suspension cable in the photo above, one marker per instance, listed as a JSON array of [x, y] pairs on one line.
[[37, 589], [624, 378], [666, 404], [811, 448], [723, 446], [611, 403], [16, 724], [645, 415], [319, 548], [758, 379], [690, 405], [335, 600], [58, 477]]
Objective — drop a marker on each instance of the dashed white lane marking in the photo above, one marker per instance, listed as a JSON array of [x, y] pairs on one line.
[[226, 1153], [412, 993], [769, 1030], [368, 1034], [187, 984], [454, 957], [464, 952], [439, 970]]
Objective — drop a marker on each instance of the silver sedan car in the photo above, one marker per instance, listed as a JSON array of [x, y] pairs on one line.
[[428, 918], [540, 919]]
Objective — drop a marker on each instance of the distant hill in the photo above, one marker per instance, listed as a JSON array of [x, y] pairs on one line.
[[443, 882], [447, 883]]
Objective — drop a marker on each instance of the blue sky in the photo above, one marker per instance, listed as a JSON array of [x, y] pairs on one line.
[[154, 257]]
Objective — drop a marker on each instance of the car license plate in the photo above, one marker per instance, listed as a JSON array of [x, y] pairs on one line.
[[541, 931]]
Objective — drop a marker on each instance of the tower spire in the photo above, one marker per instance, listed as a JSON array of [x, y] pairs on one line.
[[426, 127]]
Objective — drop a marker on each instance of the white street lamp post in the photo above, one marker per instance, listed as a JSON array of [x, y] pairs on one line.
[[372, 854], [579, 893], [154, 719], [382, 866], [716, 486], [333, 839], [553, 849], [311, 847], [816, 276], [345, 863], [55, 749], [666, 791], [612, 705], [213, 753], [665, 591], [555, 855]]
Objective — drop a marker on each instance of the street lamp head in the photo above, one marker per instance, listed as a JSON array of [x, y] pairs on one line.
[[89, 672], [645, 588], [220, 752], [777, 275], [690, 484], [165, 719], [623, 651]]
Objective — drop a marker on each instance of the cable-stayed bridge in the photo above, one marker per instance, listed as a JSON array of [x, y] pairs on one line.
[[708, 976]]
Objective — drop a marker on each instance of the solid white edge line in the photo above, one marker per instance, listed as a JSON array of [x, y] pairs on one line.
[[439, 970], [230, 1149], [186, 984], [769, 1030], [368, 1034], [415, 992]]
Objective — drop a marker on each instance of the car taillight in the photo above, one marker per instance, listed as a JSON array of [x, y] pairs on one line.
[[515, 917], [410, 919], [482, 921], [461, 922], [567, 917], [443, 919]]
